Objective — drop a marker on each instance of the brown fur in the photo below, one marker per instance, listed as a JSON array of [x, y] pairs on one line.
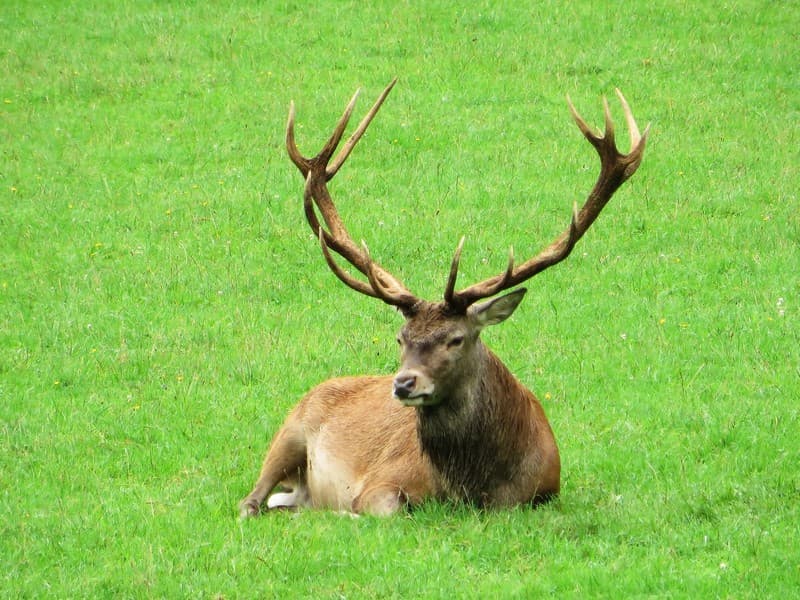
[[350, 445]]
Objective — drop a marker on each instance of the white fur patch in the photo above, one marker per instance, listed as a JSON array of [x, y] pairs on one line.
[[291, 499]]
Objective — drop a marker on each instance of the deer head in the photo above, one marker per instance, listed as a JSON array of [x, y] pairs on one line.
[[441, 353]]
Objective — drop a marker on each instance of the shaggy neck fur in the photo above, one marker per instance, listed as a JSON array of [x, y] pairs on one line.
[[474, 438]]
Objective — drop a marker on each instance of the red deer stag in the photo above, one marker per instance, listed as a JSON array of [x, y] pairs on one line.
[[453, 423]]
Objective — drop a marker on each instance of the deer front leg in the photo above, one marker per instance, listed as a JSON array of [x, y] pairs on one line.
[[285, 462]]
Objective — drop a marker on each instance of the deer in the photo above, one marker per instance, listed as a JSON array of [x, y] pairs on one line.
[[453, 424]]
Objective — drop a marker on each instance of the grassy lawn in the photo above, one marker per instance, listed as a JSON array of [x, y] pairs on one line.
[[163, 303]]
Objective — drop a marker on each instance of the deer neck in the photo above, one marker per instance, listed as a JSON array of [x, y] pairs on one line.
[[472, 438]]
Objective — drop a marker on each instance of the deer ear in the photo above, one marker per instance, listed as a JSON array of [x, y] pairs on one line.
[[496, 310]]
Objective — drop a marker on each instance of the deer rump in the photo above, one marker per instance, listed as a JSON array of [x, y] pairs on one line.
[[453, 422]]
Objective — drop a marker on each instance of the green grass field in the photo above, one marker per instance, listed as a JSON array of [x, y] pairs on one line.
[[163, 303]]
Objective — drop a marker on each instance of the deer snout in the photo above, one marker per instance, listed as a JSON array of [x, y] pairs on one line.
[[413, 388], [404, 385]]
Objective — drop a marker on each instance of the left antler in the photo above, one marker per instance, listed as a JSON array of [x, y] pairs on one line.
[[318, 171]]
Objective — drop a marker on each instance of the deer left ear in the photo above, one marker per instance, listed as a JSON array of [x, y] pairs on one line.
[[496, 310]]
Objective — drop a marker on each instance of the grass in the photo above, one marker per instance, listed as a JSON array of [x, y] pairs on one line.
[[163, 305]]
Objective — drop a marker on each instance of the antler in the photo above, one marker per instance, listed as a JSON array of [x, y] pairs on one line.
[[615, 169], [317, 171]]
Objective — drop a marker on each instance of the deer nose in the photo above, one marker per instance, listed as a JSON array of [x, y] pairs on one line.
[[404, 385]]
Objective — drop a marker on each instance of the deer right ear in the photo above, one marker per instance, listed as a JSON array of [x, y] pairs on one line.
[[496, 310]]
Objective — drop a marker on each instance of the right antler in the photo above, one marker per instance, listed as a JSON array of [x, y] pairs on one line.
[[380, 283], [615, 169]]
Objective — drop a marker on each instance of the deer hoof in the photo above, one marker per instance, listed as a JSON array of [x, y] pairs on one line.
[[248, 508]]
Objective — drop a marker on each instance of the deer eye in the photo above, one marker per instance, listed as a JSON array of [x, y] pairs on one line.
[[456, 341]]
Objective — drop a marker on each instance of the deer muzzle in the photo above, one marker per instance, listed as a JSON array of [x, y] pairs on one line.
[[412, 388]]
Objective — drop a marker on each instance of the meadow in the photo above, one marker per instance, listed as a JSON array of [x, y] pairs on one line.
[[163, 303]]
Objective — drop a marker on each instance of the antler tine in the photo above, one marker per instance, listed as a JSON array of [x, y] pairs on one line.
[[300, 161], [638, 141], [615, 169], [330, 147], [582, 125], [595, 139], [460, 301], [362, 127], [633, 128], [303, 163], [450, 288], [609, 123], [500, 282]]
